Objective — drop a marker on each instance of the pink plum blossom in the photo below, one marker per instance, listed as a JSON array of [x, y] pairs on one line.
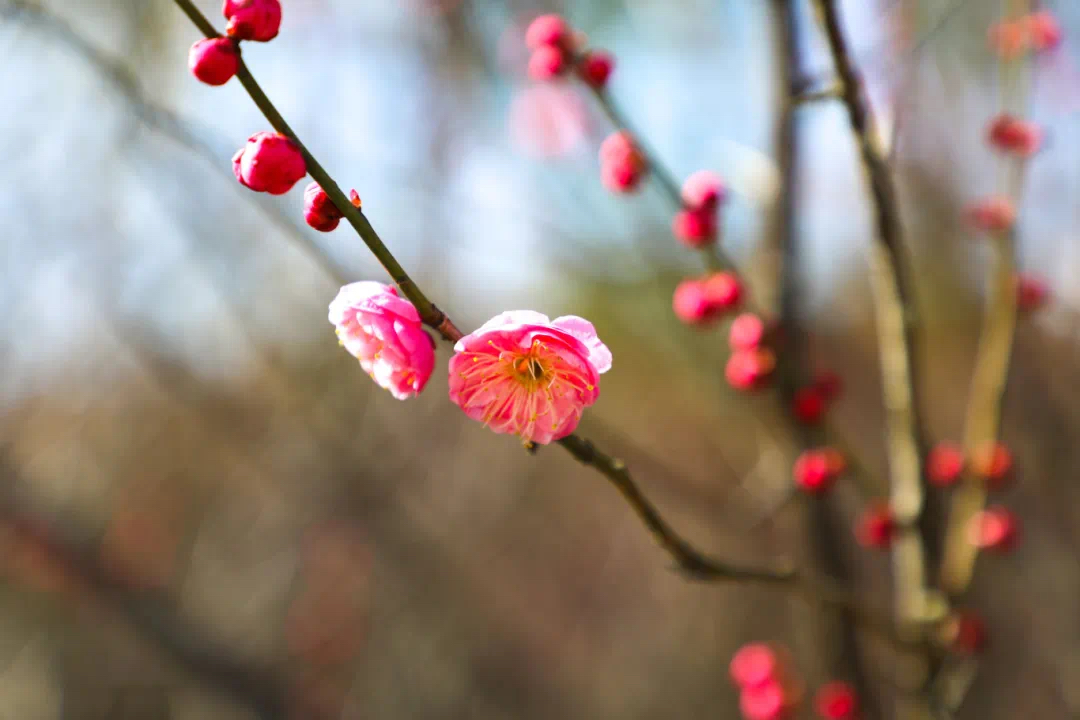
[[384, 332], [523, 374]]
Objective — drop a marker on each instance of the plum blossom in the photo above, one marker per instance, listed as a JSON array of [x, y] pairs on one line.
[[384, 332], [523, 374]]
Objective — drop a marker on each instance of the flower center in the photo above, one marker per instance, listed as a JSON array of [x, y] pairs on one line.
[[530, 371]]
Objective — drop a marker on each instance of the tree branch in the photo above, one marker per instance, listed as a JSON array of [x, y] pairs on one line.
[[824, 535], [982, 417], [894, 307]]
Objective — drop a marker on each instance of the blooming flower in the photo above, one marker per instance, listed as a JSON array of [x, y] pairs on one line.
[[384, 332], [523, 374]]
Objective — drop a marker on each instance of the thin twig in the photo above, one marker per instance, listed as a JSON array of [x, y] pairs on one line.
[[894, 307]]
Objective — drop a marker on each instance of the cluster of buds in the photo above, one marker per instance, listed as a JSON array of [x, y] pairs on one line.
[[816, 470], [876, 526], [695, 224], [269, 162], [700, 301], [992, 463], [622, 163], [557, 49], [995, 528], [1034, 32], [215, 61], [752, 360], [767, 688]]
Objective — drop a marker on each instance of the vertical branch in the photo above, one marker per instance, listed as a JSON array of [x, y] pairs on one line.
[[982, 417], [797, 84], [894, 308]]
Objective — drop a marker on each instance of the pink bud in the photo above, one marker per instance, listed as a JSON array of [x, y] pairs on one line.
[[808, 405], [703, 190], [763, 702], [754, 664], [596, 67], [621, 177], [1043, 30], [214, 60], [828, 383], [257, 20], [837, 701], [547, 62], [995, 529], [546, 30], [1009, 134], [622, 165], [354, 198], [690, 304], [965, 633], [876, 526], [723, 290], [270, 162], [994, 214], [993, 463], [749, 370], [815, 470], [694, 228], [319, 212], [618, 147], [944, 464], [747, 332], [1031, 292]]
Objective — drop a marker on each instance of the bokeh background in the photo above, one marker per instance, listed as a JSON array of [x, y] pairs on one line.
[[176, 412]]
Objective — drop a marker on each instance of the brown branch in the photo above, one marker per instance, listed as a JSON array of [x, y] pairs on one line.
[[982, 417], [824, 532], [894, 307]]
